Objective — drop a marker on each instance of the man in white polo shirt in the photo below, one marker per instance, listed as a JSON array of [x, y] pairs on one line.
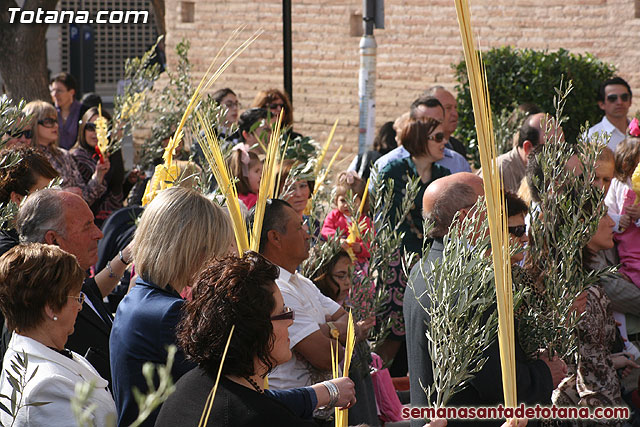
[[614, 98], [284, 241]]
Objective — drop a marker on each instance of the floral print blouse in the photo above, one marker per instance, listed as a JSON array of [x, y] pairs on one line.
[[63, 162]]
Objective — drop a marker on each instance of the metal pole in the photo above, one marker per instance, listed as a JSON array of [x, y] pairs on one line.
[[367, 79], [286, 47]]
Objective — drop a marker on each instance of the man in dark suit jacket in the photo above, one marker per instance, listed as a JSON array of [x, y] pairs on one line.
[[535, 379], [64, 219]]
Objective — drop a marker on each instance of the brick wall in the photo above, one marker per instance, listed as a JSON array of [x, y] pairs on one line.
[[415, 50]]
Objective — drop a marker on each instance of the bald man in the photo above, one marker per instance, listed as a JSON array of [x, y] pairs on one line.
[[535, 380]]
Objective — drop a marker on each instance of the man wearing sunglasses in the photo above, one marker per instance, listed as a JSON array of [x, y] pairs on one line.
[[614, 98]]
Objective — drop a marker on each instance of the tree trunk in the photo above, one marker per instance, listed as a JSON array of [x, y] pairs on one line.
[[22, 47], [158, 10]]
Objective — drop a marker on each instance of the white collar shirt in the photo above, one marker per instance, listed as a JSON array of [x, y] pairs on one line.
[[311, 309]]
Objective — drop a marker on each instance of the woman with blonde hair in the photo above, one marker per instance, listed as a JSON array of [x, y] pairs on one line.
[[45, 138], [179, 232]]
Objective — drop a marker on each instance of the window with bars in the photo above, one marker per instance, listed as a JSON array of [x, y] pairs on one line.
[[113, 43]]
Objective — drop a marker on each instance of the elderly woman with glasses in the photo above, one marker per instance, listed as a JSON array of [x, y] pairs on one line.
[[40, 298], [424, 140], [44, 128], [240, 293]]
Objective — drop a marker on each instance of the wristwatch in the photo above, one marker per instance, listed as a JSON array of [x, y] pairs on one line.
[[335, 333]]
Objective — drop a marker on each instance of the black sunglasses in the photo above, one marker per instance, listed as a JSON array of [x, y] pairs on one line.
[[438, 137], [90, 126], [48, 122], [287, 314], [518, 230], [614, 97], [274, 106], [27, 134]]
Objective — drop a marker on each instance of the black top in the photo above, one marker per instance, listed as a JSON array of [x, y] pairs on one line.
[[234, 405], [533, 378], [90, 336], [457, 146], [8, 239]]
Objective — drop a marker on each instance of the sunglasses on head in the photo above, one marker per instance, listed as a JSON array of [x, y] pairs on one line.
[[287, 314], [48, 122], [27, 134], [518, 230], [438, 137], [614, 97]]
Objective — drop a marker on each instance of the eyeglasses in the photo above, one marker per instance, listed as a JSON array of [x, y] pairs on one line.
[[275, 106], [438, 137], [79, 298], [287, 314], [517, 230], [624, 97], [90, 126], [232, 104], [26, 133], [48, 122]]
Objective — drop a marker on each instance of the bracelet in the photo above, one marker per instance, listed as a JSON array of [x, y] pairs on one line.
[[334, 393], [111, 274], [122, 258]]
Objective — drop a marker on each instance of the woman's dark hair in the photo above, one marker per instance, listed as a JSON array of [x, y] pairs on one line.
[[250, 117], [385, 140], [231, 291], [82, 140], [22, 176], [221, 93], [323, 279], [415, 135], [515, 205], [66, 79], [33, 276]]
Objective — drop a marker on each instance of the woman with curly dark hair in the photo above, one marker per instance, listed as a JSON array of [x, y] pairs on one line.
[[238, 292]]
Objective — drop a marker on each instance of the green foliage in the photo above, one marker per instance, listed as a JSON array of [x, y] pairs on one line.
[[131, 106], [525, 75], [167, 106], [12, 120], [18, 378], [155, 396], [567, 216], [460, 296]]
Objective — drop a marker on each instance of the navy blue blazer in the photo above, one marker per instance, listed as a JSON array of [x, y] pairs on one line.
[[144, 326]]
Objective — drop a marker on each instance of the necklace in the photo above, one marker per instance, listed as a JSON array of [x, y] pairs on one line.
[[254, 385]]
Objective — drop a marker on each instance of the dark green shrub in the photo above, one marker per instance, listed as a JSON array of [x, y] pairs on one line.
[[516, 76]]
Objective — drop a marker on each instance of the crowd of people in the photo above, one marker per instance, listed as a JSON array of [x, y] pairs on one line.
[[94, 286]]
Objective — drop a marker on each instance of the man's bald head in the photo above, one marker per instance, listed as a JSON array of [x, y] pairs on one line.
[[446, 196]]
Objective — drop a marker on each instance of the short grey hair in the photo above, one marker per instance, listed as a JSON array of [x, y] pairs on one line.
[[40, 212], [453, 198]]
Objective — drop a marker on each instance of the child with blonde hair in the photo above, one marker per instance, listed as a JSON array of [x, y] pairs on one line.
[[621, 201], [340, 218]]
